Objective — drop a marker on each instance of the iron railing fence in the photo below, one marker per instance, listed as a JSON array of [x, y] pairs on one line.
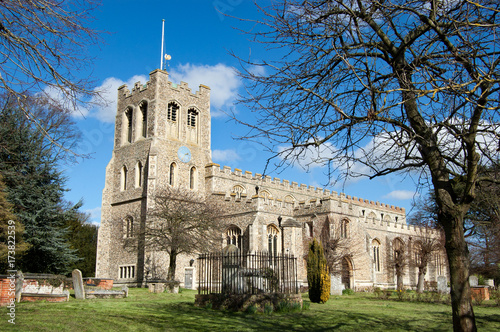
[[240, 273]]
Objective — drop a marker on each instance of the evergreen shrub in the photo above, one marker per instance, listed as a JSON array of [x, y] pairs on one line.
[[318, 276]]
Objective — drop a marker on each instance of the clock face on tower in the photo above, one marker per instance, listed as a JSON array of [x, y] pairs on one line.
[[184, 154]]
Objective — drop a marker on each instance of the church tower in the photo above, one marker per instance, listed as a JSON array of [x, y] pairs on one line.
[[162, 138]]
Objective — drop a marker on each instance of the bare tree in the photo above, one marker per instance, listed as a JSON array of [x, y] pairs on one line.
[[484, 215], [393, 86], [44, 51], [481, 223], [397, 259], [182, 222], [425, 248], [54, 126], [339, 246]]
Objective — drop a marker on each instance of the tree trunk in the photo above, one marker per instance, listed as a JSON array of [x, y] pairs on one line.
[[458, 260], [420, 283], [172, 265], [399, 281]]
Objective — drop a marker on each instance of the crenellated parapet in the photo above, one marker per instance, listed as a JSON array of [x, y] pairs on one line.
[[159, 79], [282, 192], [163, 109], [336, 206]]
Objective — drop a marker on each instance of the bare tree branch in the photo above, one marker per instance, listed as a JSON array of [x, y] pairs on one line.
[[44, 52], [395, 86], [182, 222]]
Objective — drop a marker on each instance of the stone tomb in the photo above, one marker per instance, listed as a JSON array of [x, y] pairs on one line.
[[40, 287], [94, 292]]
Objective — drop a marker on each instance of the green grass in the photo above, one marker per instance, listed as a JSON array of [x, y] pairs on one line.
[[144, 311]]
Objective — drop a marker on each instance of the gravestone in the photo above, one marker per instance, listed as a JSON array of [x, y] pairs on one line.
[[473, 281], [78, 284], [490, 282], [336, 285], [19, 286], [125, 291], [442, 284]]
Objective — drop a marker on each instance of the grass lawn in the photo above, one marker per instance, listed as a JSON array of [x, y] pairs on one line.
[[144, 311]]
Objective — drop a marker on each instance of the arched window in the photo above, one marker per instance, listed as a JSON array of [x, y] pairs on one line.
[[129, 227], [143, 106], [344, 229], [172, 174], [272, 237], [238, 190], [417, 249], [289, 200], [192, 118], [399, 261], [372, 217], [129, 115], [172, 111], [310, 229], [398, 247], [123, 178], [192, 178], [267, 195], [138, 174], [233, 236], [376, 254]]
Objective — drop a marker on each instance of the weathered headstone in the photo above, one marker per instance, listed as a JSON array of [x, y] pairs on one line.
[[336, 286], [125, 290], [490, 282], [19, 286], [473, 281], [442, 284], [78, 284]]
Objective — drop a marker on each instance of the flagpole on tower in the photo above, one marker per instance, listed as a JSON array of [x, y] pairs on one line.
[[162, 39]]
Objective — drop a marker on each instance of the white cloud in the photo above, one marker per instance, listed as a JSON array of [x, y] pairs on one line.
[[401, 194], [257, 70], [222, 80], [309, 157], [95, 215], [109, 89], [106, 109], [225, 155]]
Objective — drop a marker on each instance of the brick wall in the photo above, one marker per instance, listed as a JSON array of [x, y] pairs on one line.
[[7, 291], [44, 297], [106, 284]]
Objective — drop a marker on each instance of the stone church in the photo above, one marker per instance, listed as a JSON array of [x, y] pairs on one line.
[[162, 138]]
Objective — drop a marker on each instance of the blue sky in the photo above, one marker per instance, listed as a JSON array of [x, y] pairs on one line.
[[198, 37]]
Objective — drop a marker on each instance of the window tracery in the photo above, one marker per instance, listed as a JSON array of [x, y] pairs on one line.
[[233, 236]]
